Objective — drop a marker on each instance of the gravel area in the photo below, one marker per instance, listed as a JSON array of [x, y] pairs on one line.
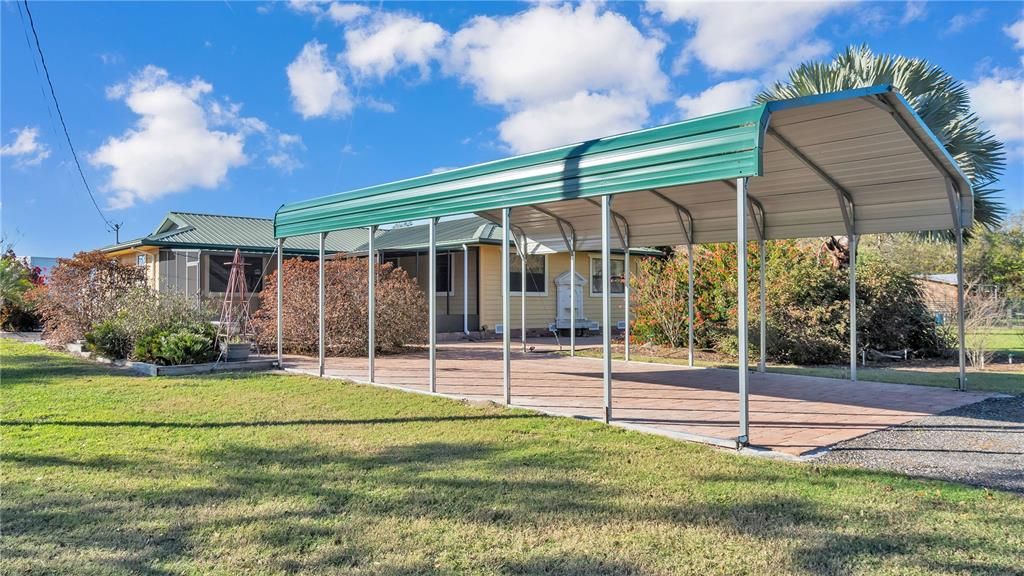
[[980, 444]]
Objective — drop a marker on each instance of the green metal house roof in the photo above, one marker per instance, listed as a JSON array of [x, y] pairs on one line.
[[896, 170], [188, 230], [469, 231], [450, 233]]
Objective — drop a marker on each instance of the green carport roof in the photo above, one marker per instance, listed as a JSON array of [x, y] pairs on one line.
[[866, 145]]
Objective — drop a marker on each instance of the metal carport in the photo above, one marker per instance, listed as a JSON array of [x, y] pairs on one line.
[[846, 163]]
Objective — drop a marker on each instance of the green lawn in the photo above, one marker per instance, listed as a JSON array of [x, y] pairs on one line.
[[990, 380], [1005, 341], [270, 474]]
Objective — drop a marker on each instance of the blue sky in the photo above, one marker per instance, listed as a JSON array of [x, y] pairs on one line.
[[236, 108]]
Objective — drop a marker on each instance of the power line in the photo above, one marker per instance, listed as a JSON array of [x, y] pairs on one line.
[[67, 135]]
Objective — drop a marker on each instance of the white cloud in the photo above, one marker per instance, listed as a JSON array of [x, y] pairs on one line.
[[391, 42], [338, 12], [314, 7], [316, 84], [26, 149], [743, 37], [718, 98], [343, 13], [581, 117], [999, 102], [563, 73], [959, 22], [171, 148], [1016, 32], [913, 11]]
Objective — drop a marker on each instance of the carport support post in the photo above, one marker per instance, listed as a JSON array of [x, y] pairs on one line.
[[625, 296], [522, 290], [371, 303], [606, 303], [853, 307], [741, 316], [280, 302], [506, 309], [323, 305], [465, 290], [432, 302], [689, 301], [962, 380], [572, 300], [764, 311]]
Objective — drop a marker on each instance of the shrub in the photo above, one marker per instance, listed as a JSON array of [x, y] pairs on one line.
[[891, 310], [82, 292], [659, 291], [401, 317], [109, 339], [186, 344], [807, 304], [17, 281]]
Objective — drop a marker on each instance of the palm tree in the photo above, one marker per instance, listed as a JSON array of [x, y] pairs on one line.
[[939, 99]]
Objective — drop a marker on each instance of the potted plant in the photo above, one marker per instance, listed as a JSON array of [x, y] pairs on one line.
[[235, 349]]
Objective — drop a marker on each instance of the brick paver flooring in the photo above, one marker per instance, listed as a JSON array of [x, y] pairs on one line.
[[789, 414]]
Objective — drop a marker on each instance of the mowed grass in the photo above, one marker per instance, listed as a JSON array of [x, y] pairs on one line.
[[1002, 340], [271, 474]]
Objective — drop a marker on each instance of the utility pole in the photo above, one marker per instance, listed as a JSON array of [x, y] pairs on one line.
[[117, 232]]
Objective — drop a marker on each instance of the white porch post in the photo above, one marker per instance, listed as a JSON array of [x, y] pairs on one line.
[[465, 289], [572, 299], [323, 305], [506, 312], [280, 302], [689, 301], [606, 303], [960, 311], [741, 282], [761, 363], [371, 303], [432, 302], [625, 304], [853, 306]]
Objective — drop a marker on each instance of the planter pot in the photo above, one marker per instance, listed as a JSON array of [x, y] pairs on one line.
[[236, 352]]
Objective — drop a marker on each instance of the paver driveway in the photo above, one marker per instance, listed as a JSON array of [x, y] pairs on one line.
[[789, 414]]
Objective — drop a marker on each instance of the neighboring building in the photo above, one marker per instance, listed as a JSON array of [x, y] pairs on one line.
[[939, 292], [44, 263], [190, 253]]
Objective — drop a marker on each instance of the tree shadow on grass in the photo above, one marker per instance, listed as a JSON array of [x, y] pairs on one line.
[[307, 507], [266, 423]]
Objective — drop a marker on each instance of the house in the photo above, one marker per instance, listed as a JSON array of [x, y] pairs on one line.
[[190, 253]]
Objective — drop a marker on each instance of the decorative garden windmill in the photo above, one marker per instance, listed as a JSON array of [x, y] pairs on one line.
[[235, 324]]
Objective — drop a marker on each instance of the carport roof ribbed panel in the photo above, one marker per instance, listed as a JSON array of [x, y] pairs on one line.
[[869, 140]]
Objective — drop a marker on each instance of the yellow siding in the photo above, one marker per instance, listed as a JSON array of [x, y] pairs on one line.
[[131, 259], [540, 309]]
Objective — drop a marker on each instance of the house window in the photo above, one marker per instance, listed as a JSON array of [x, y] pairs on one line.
[[443, 282], [536, 273], [179, 272], [220, 270], [618, 276], [140, 260]]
